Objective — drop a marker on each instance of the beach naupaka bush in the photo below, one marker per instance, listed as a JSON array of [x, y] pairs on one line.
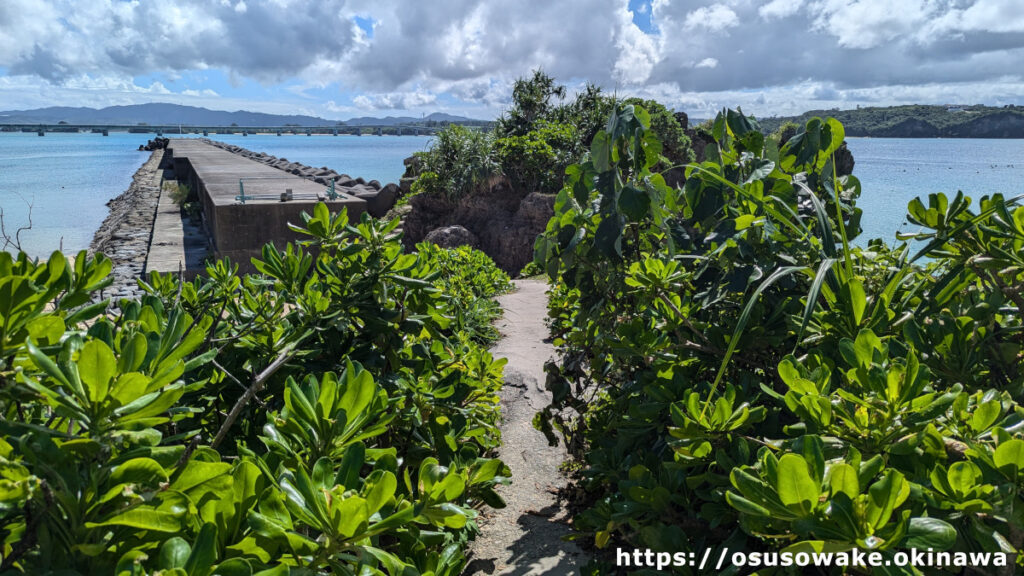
[[736, 372]]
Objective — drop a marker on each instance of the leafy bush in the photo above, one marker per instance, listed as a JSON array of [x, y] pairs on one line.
[[322, 417], [537, 160], [531, 269], [735, 373], [536, 139], [675, 144], [457, 163], [179, 193], [471, 278]]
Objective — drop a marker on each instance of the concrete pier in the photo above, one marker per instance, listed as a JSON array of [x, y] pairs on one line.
[[239, 227]]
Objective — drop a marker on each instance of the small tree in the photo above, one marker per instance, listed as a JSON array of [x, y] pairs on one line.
[[531, 101]]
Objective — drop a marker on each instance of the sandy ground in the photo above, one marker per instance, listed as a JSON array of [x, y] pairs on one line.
[[526, 536]]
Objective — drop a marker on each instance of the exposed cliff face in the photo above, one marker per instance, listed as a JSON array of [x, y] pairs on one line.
[[501, 221]]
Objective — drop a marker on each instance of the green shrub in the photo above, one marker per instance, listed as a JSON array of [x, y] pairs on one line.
[[457, 163], [532, 101], [537, 160], [674, 142], [471, 279], [179, 193], [531, 269], [535, 140], [735, 373], [325, 416]]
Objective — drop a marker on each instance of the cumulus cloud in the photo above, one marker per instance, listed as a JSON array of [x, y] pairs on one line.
[[697, 53], [394, 100], [269, 41], [712, 18], [205, 93], [779, 9]]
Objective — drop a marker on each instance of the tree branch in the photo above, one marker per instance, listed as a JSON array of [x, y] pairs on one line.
[[257, 385]]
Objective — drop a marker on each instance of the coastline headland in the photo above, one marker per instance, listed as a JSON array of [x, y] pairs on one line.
[[247, 199]]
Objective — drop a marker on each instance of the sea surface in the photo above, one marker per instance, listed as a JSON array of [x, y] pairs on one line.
[[68, 178], [894, 171]]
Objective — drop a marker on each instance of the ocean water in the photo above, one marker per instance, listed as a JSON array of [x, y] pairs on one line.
[[68, 178], [894, 171]]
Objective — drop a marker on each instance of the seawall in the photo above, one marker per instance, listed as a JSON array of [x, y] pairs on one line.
[[125, 233]]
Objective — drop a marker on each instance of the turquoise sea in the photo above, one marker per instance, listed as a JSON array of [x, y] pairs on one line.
[[68, 178], [893, 171]]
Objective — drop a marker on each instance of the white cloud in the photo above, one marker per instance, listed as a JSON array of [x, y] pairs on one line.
[[466, 54], [394, 100], [712, 18], [780, 9], [638, 51], [1000, 16], [863, 24]]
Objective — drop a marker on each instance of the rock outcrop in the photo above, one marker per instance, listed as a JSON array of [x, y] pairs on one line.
[[379, 198], [844, 160], [413, 167], [504, 222]]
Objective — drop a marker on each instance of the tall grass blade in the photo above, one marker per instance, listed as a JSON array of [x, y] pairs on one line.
[[742, 323], [812, 297]]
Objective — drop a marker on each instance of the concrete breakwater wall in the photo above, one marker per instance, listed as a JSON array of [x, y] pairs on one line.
[[236, 230], [379, 197], [124, 235]]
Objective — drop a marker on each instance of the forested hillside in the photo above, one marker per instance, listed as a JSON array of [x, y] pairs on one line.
[[919, 121]]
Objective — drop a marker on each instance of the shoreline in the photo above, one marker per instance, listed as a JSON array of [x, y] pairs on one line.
[[124, 235]]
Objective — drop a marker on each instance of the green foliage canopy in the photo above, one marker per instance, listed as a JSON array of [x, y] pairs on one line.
[[734, 372], [332, 414]]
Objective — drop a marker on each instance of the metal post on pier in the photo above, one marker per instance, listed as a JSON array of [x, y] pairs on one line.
[[241, 192]]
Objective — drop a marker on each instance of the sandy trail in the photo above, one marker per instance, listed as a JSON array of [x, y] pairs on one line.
[[526, 536]]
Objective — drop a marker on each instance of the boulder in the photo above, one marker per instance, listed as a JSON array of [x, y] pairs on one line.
[[451, 237]]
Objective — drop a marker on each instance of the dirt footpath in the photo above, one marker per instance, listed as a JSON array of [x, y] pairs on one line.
[[526, 536]]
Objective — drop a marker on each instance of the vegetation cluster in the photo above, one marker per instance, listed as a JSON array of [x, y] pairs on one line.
[[335, 413], [735, 372], [534, 141]]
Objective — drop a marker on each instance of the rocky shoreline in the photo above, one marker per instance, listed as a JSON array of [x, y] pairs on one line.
[[125, 233]]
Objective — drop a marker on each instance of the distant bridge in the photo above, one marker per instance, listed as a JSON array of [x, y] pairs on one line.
[[174, 129]]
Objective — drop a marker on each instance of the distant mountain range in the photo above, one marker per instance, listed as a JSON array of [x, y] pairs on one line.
[[919, 121], [173, 114]]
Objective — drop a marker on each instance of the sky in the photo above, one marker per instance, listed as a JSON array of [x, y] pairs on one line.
[[339, 59]]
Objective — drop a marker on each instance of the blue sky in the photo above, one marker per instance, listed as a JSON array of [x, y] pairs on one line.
[[345, 58]]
